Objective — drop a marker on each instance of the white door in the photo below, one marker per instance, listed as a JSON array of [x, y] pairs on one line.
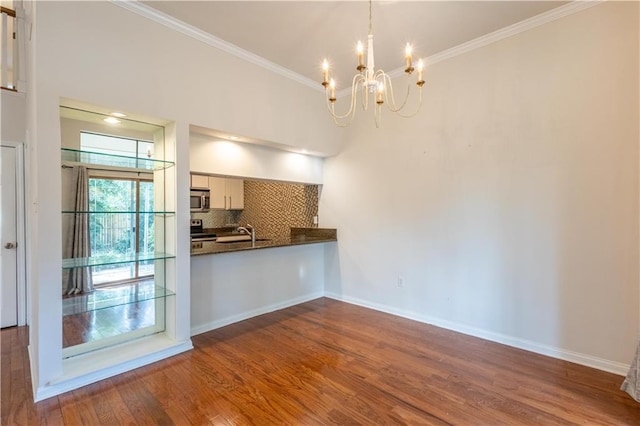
[[8, 235]]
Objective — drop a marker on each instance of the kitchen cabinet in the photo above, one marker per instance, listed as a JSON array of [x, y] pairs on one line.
[[235, 194], [218, 186], [226, 193], [199, 181]]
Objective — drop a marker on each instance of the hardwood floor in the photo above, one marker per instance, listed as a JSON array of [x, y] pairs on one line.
[[121, 317], [327, 362], [92, 326]]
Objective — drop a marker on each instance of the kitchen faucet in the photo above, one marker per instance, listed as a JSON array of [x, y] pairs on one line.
[[248, 230]]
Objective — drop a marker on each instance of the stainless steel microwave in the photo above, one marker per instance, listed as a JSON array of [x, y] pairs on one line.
[[200, 199]]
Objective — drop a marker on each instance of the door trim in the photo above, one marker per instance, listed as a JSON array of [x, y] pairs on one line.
[[23, 306]]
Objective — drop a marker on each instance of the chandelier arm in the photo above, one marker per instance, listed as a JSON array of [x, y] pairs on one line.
[[351, 111], [365, 95], [392, 106], [337, 123], [417, 109], [337, 118], [332, 111]]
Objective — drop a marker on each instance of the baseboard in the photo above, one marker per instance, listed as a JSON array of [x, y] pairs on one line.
[[152, 350], [34, 372], [203, 328], [575, 357]]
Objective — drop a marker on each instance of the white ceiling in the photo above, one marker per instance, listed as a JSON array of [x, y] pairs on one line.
[[297, 35]]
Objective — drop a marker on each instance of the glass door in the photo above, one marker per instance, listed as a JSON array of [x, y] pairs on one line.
[[121, 223]]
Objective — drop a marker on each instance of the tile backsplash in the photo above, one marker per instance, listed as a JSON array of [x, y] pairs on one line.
[[273, 208], [217, 218]]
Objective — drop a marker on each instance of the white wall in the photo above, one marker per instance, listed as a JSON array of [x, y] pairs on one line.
[[101, 54], [510, 204], [221, 157], [230, 287], [13, 125]]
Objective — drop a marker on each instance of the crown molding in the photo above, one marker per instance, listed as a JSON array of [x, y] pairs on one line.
[[510, 31], [501, 34], [170, 22]]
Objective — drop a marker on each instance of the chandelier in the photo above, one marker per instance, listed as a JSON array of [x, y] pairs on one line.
[[372, 82]]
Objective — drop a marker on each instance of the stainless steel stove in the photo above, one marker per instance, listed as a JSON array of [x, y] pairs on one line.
[[198, 234]]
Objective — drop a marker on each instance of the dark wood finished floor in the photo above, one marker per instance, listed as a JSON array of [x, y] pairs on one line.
[[103, 323], [327, 362]]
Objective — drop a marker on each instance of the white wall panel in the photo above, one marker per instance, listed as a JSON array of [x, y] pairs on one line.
[[253, 161], [230, 287], [510, 203]]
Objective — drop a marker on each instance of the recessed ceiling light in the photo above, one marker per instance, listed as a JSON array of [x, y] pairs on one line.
[[118, 114], [111, 120]]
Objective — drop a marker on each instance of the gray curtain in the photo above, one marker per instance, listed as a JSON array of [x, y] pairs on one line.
[[78, 244], [631, 384]]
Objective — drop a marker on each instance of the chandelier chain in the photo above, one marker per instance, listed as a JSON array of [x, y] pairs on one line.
[[370, 17]]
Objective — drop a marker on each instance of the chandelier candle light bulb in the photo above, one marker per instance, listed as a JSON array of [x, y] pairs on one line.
[[372, 83], [325, 73], [407, 54], [332, 93], [360, 51], [379, 100]]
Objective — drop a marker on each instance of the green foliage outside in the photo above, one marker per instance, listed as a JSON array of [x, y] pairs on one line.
[[112, 227]]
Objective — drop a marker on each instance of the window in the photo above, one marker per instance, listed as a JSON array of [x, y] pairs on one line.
[[115, 145], [123, 224]]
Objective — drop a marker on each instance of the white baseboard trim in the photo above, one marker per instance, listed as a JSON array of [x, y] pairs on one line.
[[154, 349], [575, 357], [203, 328]]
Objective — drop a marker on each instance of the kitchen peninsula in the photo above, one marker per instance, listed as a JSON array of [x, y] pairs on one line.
[[233, 281], [298, 236], [247, 281]]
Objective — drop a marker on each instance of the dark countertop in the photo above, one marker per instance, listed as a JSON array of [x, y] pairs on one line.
[[298, 236]]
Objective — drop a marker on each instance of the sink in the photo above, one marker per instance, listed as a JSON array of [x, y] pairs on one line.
[[233, 238], [244, 240]]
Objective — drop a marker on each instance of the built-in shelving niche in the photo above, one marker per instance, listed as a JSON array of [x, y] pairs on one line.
[[120, 310]]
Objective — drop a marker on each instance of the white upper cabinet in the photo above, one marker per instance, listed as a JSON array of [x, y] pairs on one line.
[[226, 193], [235, 194], [217, 185], [199, 181]]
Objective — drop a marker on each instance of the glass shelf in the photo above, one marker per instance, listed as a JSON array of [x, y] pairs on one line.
[[83, 262], [110, 160], [110, 297], [159, 213]]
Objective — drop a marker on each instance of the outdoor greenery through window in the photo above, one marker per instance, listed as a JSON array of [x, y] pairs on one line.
[[122, 220]]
